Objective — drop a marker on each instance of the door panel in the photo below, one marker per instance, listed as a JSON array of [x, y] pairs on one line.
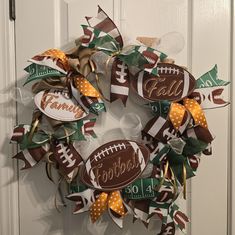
[[43, 24], [211, 45]]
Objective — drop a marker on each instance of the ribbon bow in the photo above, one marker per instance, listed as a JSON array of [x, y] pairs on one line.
[[178, 111], [111, 201], [96, 202], [102, 34]]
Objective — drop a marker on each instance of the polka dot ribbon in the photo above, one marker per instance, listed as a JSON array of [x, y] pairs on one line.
[[177, 112], [85, 87], [196, 111], [57, 54], [110, 200]]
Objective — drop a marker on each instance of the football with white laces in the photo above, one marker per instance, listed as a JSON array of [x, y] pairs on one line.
[[172, 83], [114, 165]]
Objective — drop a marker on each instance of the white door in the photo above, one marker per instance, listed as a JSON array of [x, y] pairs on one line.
[[205, 26]]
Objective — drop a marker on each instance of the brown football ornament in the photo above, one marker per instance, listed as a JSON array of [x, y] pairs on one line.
[[172, 83], [114, 165]]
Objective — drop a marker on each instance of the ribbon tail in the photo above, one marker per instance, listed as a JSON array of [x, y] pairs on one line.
[[19, 132], [83, 200], [141, 211], [120, 81], [86, 127], [179, 218], [105, 24], [116, 218], [168, 228], [68, 159], [210, 97], [32, 156], [98, 207]]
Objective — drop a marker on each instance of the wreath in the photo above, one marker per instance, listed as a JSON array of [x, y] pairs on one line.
[[144, 175]]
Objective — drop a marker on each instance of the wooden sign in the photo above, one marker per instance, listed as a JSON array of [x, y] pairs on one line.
[[115, 165], [172, 83], [58, 105]]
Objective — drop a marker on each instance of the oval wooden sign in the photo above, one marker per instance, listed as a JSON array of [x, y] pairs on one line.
[[172, 83], [58, 105], [115, 165]]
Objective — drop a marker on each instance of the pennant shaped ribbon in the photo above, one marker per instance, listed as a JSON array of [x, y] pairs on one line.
[[32, 156], [37, 71], [83, 199], [53, 58], [209, 90], [105, 24]]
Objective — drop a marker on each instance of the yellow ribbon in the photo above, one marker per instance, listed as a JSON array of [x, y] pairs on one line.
[[177, 112], [32, 130], [57, 54], [110, 200], [85, 87]]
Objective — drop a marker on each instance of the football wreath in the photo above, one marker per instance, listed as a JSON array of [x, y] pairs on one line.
[[143, 176]]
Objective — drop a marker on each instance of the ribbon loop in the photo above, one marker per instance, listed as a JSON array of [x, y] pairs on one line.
[[111, 201], [196, 111]]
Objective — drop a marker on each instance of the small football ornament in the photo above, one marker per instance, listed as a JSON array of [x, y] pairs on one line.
[[172, 83]]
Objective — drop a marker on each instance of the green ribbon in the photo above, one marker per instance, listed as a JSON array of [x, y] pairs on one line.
[[160, 108], [37, 71], [176, 161], [163, 151], [61, 133], [78, 135], [98, 107], [72, 131], [141, 189], [131, 55], [210, 79], [144, 188]]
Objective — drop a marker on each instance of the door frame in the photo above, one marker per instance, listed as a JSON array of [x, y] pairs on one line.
[[231, 171], [9, 206]]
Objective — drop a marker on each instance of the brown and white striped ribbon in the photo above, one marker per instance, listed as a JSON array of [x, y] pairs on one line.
[[119, 81], [83, 200], [32, 156], [105, 24], [68, 158], [160, 129], [19, 132]]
